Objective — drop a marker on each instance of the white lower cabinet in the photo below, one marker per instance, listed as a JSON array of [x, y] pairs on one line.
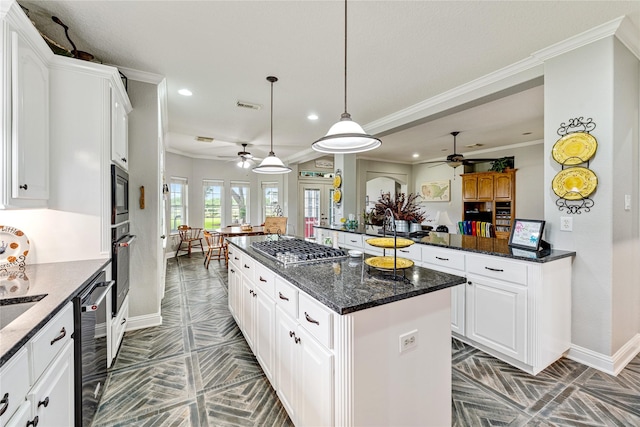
[[14, 385], [305, 374], [22, 417], [52, 396], [497, 315]]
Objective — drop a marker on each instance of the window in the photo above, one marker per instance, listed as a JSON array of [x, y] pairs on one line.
[[240, 202], [269, 199], [178, 203], [212, 196]]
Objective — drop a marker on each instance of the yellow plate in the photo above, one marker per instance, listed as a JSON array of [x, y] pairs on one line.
[[387, 242], [337, 196], [386, 262], [337, 181], [574, 183], [574, 148]]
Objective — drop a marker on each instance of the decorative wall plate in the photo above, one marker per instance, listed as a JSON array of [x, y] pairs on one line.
[[13, 244], [386, 262], [337, 196], [574, 183], [387, 242], [337, 181], [574, 148]]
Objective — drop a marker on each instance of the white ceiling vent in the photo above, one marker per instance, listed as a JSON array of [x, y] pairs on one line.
[[249, 105], [204, 139]]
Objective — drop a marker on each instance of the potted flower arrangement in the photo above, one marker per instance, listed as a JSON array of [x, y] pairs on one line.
[[405, 209]]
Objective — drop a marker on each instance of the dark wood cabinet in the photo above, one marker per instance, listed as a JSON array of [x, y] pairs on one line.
[[490, 197]]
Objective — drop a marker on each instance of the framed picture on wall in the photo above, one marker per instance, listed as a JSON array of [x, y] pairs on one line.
[[527, 234], [436, 191]]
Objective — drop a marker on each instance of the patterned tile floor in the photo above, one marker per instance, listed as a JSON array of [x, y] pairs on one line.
[[197, 370]]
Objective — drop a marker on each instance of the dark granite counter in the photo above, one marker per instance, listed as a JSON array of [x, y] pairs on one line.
[[60, 282], [477, 244], [348, 285]]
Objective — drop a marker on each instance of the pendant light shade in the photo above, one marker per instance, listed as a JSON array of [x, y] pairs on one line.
[[346, 136], [272, 164]]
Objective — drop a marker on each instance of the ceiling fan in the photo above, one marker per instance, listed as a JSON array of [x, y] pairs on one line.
[[245, 158], [454, 160]]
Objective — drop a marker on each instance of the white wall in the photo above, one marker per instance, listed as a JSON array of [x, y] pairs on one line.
[[605, 270]]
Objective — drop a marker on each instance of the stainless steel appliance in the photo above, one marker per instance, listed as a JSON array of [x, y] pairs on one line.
[[292, 251], [119, 195], [91, 329], [121, 245]]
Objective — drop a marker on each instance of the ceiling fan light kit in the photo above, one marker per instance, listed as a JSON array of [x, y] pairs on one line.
[[346, 136], [271, 164]]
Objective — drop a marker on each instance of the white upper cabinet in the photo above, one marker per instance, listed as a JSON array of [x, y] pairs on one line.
[[24, 181], [119, 131]]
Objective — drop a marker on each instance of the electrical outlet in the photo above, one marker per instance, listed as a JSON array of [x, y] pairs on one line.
[[408, 340], [566, 223]]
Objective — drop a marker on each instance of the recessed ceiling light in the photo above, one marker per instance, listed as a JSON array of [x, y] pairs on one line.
[[416, 155], [312, 117], [185, 92]]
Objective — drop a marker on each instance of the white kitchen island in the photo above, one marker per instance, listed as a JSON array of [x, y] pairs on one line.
[[330, 338]]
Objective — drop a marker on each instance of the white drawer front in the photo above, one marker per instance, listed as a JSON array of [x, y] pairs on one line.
[[443, 257], [248, 267], [316, 319], [119, 326], [413, 252], [497, 268], [14, 384], [353, 241], [287, 297], [51, 339], [265, 280], [234, 256]]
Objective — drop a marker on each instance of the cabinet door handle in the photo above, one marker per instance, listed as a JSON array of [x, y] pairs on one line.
[[403, 250], [263, 280], [442, 259], [495, 269], [124, 159], [469, 282], [44, 402], [251, 291], [63, 333], [292, 334], [232, 270], [24, 187], [123, 321], [5, 403], [353, 241], [310, 319], [297, 340], [282, 296], [236, 258], [33, 422], [246, 266]]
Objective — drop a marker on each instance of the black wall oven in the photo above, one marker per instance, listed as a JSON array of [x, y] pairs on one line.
[[121, 248], [91, 331], [119, 195]]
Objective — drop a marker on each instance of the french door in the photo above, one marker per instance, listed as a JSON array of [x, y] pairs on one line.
[[316, 205]]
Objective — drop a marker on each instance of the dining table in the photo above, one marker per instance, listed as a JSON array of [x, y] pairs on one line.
[[237, 231]]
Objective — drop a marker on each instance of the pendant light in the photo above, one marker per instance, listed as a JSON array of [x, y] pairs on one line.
[[271, 164], [346, 136]]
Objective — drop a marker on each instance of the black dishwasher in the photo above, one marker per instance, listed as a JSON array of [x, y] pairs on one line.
[[91, 331]]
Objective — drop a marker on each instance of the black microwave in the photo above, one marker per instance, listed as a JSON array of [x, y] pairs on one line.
[[119, 195]]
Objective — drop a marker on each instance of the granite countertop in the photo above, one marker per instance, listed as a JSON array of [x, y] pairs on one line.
[[345, 285], [477, 244], [60, 282]]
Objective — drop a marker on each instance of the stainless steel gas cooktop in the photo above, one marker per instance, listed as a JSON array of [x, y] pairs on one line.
[[294, 251]]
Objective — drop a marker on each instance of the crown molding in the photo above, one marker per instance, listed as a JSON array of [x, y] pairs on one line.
[[141, 76], [627, 33]]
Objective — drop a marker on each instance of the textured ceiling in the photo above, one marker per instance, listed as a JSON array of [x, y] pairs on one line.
[[400, 53]]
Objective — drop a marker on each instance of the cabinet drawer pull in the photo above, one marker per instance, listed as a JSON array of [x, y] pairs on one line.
[[310, 319], [251, 291], [353, 241], [124, 159], [469, 282], [33, 422], [263, 280], [236, 258], [123, 321], [282, 296], [63, 333], [403, 250], [292, 334], [24, 187], [495, 269], [232, 270], [5, 403], [246, 266], [442, 259], [297, 340], [44, 402]]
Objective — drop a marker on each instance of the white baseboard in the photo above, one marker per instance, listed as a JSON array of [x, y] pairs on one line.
[[146, 321], [611, 365]]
